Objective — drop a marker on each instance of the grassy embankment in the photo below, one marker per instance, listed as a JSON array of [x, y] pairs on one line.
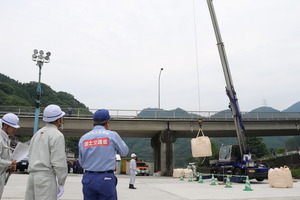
[[296, 173]]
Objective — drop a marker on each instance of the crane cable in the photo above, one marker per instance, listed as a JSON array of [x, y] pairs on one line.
[[197, 65], [196, 48], [200, 130], [198, 79]]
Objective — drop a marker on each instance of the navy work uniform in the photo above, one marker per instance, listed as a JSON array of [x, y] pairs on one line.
[[97, 155]]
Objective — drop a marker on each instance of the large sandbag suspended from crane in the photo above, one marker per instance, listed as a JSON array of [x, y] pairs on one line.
[[201, 145]]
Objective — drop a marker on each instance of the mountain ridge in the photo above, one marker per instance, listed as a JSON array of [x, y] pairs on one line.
[[15, 93]]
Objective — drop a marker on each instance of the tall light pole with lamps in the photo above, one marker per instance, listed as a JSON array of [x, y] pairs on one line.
[[40, 59], [159, 87]]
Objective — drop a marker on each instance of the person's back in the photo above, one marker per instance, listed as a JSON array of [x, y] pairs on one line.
[[42, 149], [47, 158], [97, 156], [100, 143]]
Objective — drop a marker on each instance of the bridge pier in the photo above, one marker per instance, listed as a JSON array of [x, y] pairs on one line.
[[163, 152]]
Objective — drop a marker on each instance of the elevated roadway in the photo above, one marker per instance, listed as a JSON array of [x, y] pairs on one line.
[[164, 131], [149, 122], [182, 128]]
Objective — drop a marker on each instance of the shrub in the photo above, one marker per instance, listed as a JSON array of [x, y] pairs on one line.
[[295, 173]]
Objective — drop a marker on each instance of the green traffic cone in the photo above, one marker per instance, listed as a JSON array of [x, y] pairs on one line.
[[247, 186], [213, 182], [228, 184], [181, 177], [190, 178], [200, 178]]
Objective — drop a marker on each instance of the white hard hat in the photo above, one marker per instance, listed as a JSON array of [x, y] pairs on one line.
[[133, 155], [52, 113], [11, 120]]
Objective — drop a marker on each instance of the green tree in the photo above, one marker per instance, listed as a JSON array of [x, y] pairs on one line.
[[24, 138], [257, 146], [15, 101], [182, 152], [280, 150], [293, 143], [6, 88], [141, 147], [72, 144]]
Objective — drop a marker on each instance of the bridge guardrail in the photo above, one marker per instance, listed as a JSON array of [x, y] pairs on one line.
[[157, 113]]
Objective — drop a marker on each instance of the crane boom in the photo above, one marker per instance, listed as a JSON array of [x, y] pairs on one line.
[[234, 106]]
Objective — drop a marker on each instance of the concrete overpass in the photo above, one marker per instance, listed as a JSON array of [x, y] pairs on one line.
[[181, 128], [164, 132]]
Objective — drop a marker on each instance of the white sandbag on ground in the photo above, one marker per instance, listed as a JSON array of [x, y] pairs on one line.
[[280, 177]]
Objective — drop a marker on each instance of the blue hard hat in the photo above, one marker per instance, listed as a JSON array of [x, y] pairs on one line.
[[101, 115]]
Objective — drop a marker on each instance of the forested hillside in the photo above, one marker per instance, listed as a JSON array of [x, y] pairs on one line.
[[14, 93]]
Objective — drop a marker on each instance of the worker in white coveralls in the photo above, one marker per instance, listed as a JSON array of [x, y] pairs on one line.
[[47, 158], [132, 167], [10, 123]]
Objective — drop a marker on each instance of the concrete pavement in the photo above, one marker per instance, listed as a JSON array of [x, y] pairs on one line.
[[166, 188]]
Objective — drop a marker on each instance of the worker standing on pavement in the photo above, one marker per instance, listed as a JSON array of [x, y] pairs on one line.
[[47, 158], [132, 167], [10, 123], [97, 156]]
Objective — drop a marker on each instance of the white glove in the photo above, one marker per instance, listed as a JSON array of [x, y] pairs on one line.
[[60, 191]]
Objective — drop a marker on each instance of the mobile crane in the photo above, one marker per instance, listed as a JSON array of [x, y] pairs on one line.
[[233, 159]]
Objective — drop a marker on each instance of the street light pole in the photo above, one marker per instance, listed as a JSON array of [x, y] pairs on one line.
[[40, 59], [159, 87]]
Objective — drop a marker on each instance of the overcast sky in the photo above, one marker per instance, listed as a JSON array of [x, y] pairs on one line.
[[108, 53]]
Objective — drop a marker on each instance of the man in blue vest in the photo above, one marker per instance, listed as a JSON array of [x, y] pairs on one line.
[[97, 156]]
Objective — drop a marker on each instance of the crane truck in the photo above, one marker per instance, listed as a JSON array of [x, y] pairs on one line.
[[233, 159]]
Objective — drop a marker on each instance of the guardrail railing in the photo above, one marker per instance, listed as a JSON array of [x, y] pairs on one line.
[[156, 113]]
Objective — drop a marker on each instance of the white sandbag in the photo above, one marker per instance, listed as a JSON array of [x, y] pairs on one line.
[[187, 173], [201, 146], [177, 173], [280, 177]]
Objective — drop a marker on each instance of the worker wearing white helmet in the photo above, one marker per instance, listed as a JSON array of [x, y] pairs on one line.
[[47, 158], [132, 167], [10, 123]]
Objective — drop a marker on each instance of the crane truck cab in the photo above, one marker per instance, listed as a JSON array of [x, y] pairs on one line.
[[231, 163], [142, 168]]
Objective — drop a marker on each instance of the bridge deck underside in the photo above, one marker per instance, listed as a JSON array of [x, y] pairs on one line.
[[134, 128]]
